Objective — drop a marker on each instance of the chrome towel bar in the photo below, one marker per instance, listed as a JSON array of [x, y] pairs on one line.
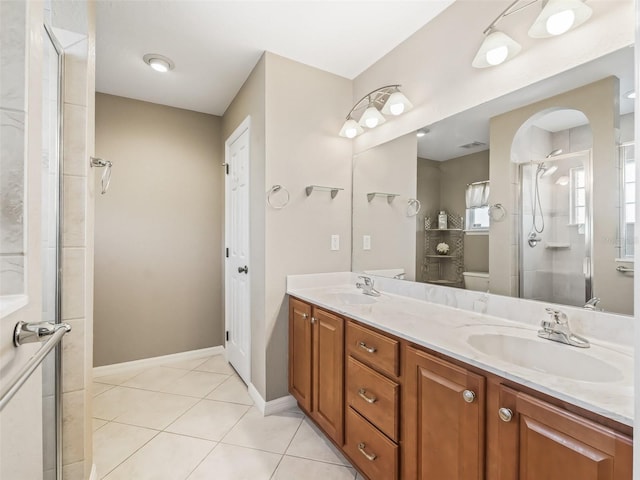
[[34, 332], [623, 269]]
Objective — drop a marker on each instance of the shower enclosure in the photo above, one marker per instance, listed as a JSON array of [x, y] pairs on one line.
[[555, 228]]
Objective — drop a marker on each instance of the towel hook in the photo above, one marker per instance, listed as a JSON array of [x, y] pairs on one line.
[[105, 181]]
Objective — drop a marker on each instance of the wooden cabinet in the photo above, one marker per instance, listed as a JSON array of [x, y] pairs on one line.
[[443, 420], [536, 440], [316, 365], [399, 411]]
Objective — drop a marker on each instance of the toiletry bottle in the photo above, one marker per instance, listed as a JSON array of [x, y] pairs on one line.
[[442, 220]]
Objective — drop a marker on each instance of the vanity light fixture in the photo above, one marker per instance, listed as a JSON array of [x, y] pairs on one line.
[[159, 63], [387, 100], [557, 17]]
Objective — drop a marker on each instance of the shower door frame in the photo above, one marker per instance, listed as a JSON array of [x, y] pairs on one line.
[[587, 266], [48, 30]]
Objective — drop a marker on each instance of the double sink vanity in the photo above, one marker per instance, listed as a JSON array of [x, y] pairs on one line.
[[416, 384]]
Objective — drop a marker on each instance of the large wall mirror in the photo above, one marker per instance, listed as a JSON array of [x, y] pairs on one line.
[[529, 195]]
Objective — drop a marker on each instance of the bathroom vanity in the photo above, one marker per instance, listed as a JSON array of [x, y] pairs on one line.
[[408, 389]]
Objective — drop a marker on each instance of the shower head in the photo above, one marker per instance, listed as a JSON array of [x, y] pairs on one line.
[[555, 152], [544, 171]]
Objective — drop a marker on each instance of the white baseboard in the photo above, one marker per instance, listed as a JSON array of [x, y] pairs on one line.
[[118, 368], [94, 473], [272, 407]]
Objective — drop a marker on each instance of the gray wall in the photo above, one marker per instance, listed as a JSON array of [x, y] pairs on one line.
[[428, 193], [158, 231]]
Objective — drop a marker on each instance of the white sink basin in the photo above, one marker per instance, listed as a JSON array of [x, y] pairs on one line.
[[352, 298], [546, 356]]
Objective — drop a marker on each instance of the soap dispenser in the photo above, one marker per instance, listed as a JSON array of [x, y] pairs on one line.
[[442, 220]]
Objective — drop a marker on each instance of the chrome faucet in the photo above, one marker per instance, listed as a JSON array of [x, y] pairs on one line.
[[367, 286], [592, 304], [557, 328]]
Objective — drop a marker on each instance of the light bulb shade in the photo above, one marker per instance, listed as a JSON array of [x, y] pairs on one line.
[[558, 17], [351, 129], [371, 118], [397, 104], [497, 48]]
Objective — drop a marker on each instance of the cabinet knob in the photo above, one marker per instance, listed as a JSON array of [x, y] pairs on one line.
[[368, 349], [305, 315], [369, 456], [505, 414], [313, 319], [369, 399], [469, 396]]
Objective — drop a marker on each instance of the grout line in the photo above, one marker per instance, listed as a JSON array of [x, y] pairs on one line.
[[201, 461], [133, 453]]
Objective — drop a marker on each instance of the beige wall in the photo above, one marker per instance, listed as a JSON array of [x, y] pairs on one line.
[[158, 231], [428, 192], [389, 168], [434, 64], [305, 107], [455, 175], [599, 102]]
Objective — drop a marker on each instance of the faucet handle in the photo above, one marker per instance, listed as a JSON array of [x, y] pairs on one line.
[[367, 280], [557, 315]]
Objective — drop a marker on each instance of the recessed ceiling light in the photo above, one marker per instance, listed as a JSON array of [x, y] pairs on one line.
[[631, 94], [159, 63]]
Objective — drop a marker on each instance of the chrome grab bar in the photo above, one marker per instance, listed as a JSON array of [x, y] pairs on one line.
[[27, 333]]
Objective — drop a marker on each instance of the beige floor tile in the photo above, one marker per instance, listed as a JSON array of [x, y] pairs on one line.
[[156, 378], [195, 384], [310, 443], [98, 388], [291, 468], [115, 442], [140, 407], [217, 364], [187, 364], [96, 423], [119, 378], [209, 419], [229, 462], [232, 390], [272, 433], [166, 457]]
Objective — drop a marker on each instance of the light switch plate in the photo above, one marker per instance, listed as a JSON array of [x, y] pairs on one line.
[[366, 242], [335, 242]]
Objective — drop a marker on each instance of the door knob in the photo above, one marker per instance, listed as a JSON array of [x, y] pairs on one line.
[[244, 269]]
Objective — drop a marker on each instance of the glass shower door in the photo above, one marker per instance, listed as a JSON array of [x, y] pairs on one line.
[[554, 229]]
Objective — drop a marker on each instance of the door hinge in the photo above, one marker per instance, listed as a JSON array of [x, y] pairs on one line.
[[226, 168], [227, 335], [227, 252]]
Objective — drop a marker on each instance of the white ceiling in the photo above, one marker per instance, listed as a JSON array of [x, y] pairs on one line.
[[445, 137], [215, 44]]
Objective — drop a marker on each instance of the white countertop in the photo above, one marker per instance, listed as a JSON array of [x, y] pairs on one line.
[[446, 330]]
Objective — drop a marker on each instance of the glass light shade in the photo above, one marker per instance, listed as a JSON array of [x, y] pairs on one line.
[[558, 17], [371, 118], [351, 129], [397, 104], [497, 48]]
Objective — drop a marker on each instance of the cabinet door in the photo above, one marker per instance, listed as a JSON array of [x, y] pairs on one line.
[[541, 441], [328, 373], [300, 352], [443, 420]]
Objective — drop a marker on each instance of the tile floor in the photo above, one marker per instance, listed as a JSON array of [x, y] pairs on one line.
[[194, 420]]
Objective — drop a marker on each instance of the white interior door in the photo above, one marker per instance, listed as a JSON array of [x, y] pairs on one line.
[[238, 268]]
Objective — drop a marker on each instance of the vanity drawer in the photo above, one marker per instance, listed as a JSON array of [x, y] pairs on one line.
[[374, 396], [373, 348], [370, 450]]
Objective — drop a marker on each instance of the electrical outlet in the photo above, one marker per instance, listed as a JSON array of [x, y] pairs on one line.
[[366, 242], [335, 242]]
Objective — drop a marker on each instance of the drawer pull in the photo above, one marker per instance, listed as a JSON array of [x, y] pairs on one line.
[[505, 414], [364, 346], [369, 456], [469, 396], [363, 394]]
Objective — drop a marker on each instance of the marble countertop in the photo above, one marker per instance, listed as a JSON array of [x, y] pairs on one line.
[[447, 330]]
